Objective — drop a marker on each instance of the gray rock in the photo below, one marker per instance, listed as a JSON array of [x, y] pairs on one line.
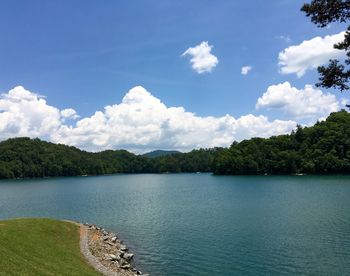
[[122, 262], [114, 239], [105, 238], [126, 266], [123, 247], [128, 256], [121, 253], [113, 257]]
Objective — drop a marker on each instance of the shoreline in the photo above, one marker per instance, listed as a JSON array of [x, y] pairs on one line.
[[169, 173], [105, 252]]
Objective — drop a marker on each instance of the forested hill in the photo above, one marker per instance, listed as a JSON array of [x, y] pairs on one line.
[[26, 158], [321, 149]]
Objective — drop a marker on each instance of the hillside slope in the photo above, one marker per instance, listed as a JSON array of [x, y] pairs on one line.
[[321, 149]]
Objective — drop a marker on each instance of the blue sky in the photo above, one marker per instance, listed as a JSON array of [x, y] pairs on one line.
[[86, 55]]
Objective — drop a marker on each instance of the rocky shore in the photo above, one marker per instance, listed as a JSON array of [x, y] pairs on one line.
[[110, 255]]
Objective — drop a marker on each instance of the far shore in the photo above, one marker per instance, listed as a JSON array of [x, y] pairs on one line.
[[173, 173]]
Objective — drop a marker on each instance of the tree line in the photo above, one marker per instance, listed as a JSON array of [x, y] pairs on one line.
[[321, 149], [29, 158]]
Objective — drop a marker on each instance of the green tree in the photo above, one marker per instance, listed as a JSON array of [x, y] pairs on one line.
[[322, 13]]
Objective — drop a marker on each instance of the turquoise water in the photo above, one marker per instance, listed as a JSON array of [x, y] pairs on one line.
[[200, 224]]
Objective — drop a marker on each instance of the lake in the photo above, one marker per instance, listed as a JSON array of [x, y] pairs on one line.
[[200, 224]]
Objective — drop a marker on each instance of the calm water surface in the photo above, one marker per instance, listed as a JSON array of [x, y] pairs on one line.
[[199, 224]]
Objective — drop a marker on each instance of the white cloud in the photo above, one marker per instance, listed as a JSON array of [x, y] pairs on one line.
[[140, 122], [202, 59], [246, 69], [69, 113], [309, 54], [23, 113], [307, 103]]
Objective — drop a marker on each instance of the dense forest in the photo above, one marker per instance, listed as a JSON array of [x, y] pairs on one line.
[[26, 158], [320, 149]]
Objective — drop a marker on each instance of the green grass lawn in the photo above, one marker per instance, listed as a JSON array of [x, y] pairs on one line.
[[41, 247]]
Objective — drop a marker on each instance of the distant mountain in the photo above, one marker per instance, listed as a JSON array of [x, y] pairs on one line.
[[158, 153]]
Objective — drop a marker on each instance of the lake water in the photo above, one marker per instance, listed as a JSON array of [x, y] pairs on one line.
[[200, 224]]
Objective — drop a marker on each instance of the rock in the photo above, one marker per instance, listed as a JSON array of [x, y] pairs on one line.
[[123, 247], [122, 262], [110, 250], [113, 257], [114, 239], [117, 264], [128, 256], [126, 266]]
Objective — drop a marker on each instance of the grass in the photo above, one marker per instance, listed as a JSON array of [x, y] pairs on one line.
[[41, 247]]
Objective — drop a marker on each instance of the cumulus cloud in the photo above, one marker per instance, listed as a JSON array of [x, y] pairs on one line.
[[23, 113], [307, 103], [202, 59], [309, 54], [139, 123], [246, 69], [142, 122], [69, 113]]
